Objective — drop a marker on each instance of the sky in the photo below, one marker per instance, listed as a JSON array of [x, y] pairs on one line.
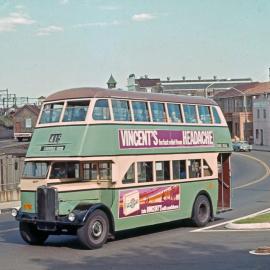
[[46, 46]]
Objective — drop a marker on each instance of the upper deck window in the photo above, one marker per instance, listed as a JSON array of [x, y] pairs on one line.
[[51, 113], [35, 170], [158, 112], [204, 114], [76, 111], [216, 115], [140, 111], [121, 110], [190, 113], [101, 110], [175, 113]]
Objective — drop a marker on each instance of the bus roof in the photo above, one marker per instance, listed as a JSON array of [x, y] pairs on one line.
[[95, 92]]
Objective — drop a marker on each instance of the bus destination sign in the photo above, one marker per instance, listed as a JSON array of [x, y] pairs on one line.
[[133, 138]]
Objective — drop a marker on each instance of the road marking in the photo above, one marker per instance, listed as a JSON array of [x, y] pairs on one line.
[[9, 230], [230, 221], [266, 167]]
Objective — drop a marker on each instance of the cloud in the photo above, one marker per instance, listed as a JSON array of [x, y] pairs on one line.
[[99, 24], [46, 31], [14, 19], [142, 17]]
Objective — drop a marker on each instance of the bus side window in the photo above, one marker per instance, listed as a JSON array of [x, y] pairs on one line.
[[105, 170], [163, 170], [204, 114], [158, 112], [145, 172], [207, 171], [76, 111], [101, 110], [140, 111], [174, 113], [121, 110], [179, 169], [194, 168], [130, 175], [190, 113], [216, 116], [90, 171]]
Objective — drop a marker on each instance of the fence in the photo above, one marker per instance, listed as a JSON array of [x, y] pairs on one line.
[[11, 168]]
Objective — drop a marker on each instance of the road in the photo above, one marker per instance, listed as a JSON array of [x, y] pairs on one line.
[[173, 246]]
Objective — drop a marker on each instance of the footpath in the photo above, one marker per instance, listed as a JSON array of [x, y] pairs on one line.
[[263, 148]]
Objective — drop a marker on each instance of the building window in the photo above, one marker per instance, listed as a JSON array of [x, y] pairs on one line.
[[121, 110], [179, 169], [145, 172], [190, 113], [158, 112], [174, 113], [264, 113], [163, 170], [257, 134], [204, 114], [258, 113], [101, 110], [130, 175], [140, 111], [28, 123]]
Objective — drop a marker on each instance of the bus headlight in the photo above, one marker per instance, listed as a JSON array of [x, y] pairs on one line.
[[71, 217], [14, 212]]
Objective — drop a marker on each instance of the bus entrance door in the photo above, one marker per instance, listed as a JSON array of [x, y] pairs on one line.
[[224, 182]]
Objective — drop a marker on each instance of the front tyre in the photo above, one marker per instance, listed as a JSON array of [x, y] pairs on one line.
[[201, 211], [94, 233], [31, 235]]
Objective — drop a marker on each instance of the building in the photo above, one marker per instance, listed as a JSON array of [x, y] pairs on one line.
[[261, 120], [111, 82], [24, 121], [199, 87], [237, 106]]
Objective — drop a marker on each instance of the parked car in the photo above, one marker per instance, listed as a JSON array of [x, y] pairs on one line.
[[241, 146]]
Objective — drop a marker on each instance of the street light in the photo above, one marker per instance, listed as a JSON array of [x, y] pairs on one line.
[[206, 88], [245, 107]]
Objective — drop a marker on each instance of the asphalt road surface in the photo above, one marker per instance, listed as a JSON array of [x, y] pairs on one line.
[[171, 246]]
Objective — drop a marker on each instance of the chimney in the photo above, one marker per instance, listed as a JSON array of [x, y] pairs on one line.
[[199, 78], [168, 78], [215, 77], [183, 78]]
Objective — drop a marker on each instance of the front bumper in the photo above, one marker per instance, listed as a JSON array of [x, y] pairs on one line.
[[60, 225]]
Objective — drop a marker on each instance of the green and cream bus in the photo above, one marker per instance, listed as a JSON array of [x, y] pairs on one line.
[[102, 161]]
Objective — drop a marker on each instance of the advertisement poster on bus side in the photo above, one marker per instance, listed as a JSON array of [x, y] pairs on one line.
[[140, 138], [142, 201]]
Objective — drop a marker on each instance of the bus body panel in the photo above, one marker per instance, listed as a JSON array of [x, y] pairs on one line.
[[102, 140]]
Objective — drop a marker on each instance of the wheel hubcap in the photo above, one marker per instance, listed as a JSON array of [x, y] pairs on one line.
[[97, 229]]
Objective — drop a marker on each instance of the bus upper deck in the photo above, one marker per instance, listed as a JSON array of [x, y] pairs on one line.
[[113, 122]]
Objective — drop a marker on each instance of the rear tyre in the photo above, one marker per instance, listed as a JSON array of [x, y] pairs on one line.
[[94, 233], [31, 235], [201, 211]]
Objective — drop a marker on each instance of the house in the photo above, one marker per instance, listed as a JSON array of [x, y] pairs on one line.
[[237, 106], [261, 120], [24, 121]]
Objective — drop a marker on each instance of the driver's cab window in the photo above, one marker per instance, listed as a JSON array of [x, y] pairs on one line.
[[65, 170]]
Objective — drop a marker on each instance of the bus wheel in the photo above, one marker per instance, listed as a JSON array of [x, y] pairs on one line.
[[201, 211], [31, 235], [94, 233]]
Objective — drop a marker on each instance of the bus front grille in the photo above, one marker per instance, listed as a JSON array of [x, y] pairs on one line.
[[46, 203]]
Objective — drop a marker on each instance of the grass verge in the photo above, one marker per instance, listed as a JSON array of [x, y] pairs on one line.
[[263, 218]]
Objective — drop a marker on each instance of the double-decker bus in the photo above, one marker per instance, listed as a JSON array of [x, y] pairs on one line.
[[101, 161]]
